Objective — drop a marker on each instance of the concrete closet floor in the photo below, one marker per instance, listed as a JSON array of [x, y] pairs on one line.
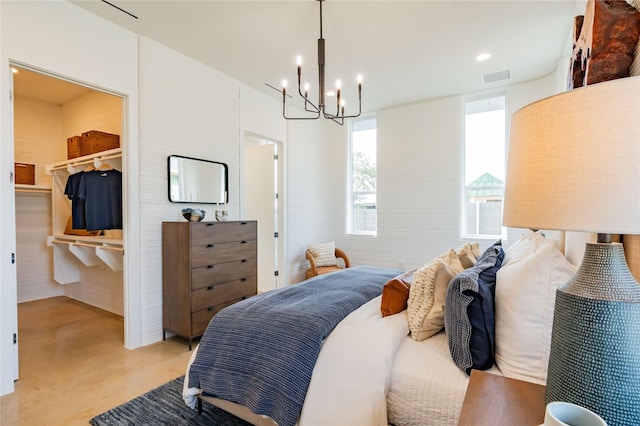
[[74, 366]]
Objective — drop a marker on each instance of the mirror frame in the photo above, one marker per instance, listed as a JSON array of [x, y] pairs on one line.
[[226, 180]]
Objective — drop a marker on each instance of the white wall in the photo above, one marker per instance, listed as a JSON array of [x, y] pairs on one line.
[[317, 153], [37, 135], [189, 109]]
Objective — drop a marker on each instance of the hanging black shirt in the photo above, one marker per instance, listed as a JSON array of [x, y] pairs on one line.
[[102, 195]]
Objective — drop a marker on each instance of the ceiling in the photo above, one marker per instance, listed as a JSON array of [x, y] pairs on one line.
[[406, 51], [35, 85]]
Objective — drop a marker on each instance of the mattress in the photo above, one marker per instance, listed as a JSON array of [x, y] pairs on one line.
[[426, 386]]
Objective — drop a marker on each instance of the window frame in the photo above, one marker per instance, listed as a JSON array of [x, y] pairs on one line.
[[465, 190], [350, 193]]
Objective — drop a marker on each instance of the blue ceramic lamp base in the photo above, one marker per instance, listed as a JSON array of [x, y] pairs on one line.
[[595, 346]]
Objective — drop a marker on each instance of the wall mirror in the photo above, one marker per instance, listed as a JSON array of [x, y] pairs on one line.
[[193, 180]]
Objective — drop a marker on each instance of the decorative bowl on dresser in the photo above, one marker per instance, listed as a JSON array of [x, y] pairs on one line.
[[206, 266]]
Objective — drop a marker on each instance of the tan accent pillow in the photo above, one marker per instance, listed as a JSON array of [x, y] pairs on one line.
[[427, 295], [468, 254], [324, 254], [395, 293]]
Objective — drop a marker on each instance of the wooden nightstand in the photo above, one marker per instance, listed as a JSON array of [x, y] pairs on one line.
[[497, 400]]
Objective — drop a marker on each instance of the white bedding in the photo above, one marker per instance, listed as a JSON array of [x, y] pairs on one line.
[[426, 386], [351, 377]]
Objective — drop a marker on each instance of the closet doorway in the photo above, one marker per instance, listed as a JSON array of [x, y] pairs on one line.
[[53, 256], [263, 200]]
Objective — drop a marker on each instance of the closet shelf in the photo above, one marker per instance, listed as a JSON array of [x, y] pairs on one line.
[[91, 251], [77, 164], [32, 189], [79, 239]]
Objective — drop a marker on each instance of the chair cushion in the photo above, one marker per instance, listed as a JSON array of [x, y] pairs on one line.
[[324, 254]]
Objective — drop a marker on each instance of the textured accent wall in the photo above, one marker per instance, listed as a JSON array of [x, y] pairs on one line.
[[186, 109], [420, 168]]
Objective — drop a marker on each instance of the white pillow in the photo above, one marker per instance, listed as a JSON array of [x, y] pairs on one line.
[[524, 304], [525, 245], [324, 254], [427, 295]]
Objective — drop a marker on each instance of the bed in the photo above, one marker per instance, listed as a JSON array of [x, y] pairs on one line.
[[369, 370]]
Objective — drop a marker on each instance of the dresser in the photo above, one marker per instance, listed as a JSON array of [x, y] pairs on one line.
[[206, 266]]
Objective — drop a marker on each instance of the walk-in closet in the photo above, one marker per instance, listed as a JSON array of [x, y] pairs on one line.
[[59, 253]]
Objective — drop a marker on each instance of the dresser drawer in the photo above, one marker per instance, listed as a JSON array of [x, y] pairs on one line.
[[222, 232], [216, 294], [212, 254], [219, 273], [200, 319]]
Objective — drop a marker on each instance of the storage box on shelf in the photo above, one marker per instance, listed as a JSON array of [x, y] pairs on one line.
[[73, 147], [25, 173], [91, 142]]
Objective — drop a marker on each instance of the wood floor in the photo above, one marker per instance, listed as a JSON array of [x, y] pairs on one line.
[[73, 364]]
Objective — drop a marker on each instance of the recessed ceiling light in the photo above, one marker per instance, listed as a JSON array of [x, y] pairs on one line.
[[15, 70], [482, 57]]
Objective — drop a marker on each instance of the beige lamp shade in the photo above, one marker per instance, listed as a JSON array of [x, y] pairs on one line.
[[574, 161]]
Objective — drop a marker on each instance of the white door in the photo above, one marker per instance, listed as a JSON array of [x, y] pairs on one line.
[[261, 204], [8, 277]]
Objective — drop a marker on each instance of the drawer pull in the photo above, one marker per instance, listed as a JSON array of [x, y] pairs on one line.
[[209, 245], [244, 297], [210, 224], [243, 260], [210, 266], [244, 279], [243, 242], [210, 287], [244, 223], [210, 308]]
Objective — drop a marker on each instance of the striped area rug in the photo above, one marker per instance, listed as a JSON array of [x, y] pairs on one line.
[[164, 406]]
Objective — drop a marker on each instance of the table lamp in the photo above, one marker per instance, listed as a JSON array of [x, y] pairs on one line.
[[574, 165]]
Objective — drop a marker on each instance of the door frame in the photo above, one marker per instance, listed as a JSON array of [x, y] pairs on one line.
[[131, 286], [248, 139]]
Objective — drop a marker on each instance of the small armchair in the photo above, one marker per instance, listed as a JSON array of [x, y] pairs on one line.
[[317, 270]]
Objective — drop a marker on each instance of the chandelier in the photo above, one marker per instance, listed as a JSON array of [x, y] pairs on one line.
[[320, 108]]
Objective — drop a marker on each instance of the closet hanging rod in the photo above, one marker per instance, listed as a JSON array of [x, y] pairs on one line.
[[33, 191], [76, 243], [83, 162], [95, 245]]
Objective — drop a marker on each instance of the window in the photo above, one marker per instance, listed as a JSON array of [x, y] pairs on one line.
[[484, 166], [363, 217]]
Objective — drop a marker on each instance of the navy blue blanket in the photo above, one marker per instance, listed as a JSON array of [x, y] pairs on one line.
[[261, 352]]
